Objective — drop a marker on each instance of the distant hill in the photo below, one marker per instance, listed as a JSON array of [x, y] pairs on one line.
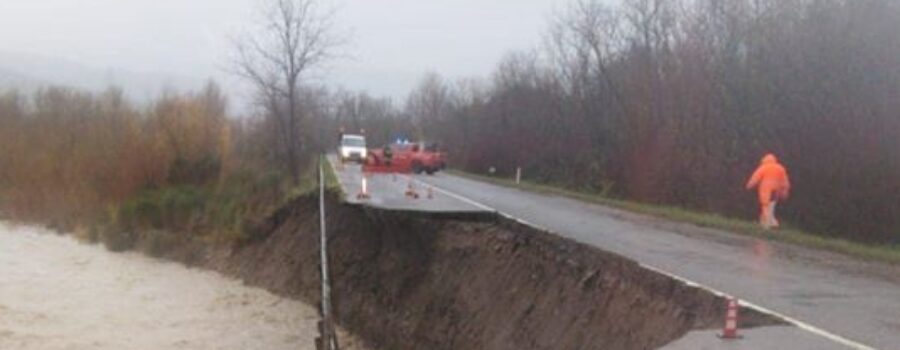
[[13, 79], [28, 72]]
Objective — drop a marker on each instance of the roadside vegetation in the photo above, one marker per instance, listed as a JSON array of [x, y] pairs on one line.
[[673, 103], [669, 104], [96, 164], [181, 169], [889, 253]]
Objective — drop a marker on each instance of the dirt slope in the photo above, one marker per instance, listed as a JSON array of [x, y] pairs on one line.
[[406, 281]]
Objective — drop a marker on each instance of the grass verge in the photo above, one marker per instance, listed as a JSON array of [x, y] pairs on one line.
[[309, 181], [331, 180], [886, 254], [218, 211]]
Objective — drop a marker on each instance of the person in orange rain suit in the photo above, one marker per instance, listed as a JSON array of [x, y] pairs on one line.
[[772, 183]]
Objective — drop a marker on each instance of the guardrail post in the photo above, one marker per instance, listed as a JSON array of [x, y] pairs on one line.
[[328, 337]]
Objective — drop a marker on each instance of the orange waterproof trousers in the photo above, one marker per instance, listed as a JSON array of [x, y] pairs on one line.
[[772, 183]]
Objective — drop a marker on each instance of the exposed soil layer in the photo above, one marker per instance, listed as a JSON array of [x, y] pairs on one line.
[[406, 281]]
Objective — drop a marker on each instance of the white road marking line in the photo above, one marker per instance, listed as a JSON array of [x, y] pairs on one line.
[[480, 205], [799, 324], [461, 198]]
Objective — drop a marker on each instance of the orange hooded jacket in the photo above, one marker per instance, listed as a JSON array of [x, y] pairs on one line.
[[772, 180]]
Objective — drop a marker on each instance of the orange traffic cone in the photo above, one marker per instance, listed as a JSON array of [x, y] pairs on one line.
[[411, 190], [731, 318], [363, 189]]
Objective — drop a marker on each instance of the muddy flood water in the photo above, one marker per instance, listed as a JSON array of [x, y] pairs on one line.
[[57, 293]]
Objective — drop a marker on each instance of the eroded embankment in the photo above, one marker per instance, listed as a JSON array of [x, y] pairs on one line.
[[404, 281]]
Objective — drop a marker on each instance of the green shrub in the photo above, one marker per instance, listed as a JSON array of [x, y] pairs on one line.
[[172, 208], [118, 240], [216, 212], [157, 243], [195, 171]]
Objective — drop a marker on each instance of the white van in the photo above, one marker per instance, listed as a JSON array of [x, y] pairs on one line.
[[352, 148]]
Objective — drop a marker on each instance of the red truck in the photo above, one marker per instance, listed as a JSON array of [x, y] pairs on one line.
[[405, 158]]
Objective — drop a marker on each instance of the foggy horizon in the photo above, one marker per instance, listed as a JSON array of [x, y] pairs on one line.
[[450, 174], [391, 44]]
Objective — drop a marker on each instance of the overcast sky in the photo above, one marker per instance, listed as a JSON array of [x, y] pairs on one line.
[[393, 41]]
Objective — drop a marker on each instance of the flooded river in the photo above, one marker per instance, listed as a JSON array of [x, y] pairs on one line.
[[56, 293]]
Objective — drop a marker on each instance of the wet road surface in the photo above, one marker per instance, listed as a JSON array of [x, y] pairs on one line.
[[854, 300], [842, 303], [389, 191]]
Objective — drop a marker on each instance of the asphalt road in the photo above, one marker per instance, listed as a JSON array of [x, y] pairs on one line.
[[856, 301], [836, 302], [388, 191]]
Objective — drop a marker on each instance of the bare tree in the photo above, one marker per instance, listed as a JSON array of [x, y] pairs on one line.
[[431, 99], [294, 37], [671, 101]]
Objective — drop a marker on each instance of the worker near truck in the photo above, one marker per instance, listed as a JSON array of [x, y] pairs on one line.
[[772, 184]]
